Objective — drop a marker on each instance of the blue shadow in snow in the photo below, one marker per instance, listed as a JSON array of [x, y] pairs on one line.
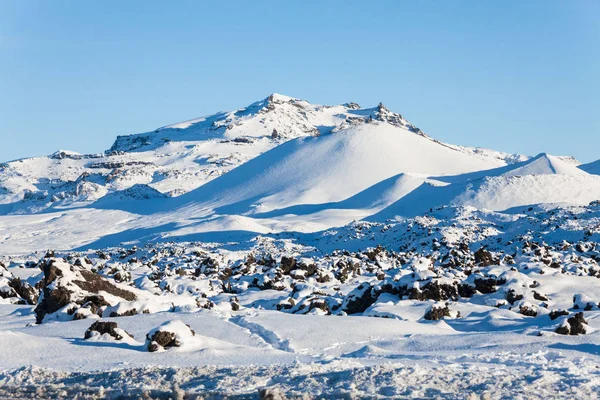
[[582, 347], [116, 344], [240, 240]]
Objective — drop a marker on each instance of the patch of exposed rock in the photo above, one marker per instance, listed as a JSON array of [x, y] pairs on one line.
[[100, 328], [168, 335], [74, 286], [576, 325]]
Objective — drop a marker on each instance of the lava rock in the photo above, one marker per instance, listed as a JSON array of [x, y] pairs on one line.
[[528, 311], [27, 292], [484, 258], [557, 313], [434, 291], [102, 327], [576, 325], [168, 335], [78, 286], [488, 285], [287, 264], [359, 299], [512, 296], [539, 296], [435, 313]]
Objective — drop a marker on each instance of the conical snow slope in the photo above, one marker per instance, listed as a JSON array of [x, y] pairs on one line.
[[543, 164], [330, 168], [543, 179]]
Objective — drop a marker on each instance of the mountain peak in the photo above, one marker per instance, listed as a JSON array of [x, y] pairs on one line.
[[544, 164], [288, 116], [279, 98]]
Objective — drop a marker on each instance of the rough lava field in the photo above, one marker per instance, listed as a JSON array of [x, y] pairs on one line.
[[292, 250]]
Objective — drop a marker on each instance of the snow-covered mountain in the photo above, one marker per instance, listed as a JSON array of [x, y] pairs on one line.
[[181, 157], [279, 165]]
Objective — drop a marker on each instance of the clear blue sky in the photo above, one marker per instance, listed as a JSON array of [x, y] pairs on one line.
[[516, 76]]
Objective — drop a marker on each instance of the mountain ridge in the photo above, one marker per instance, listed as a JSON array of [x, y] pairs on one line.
[[180, 157]]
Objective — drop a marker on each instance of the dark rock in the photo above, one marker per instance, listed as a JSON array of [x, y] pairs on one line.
[[269, 284], [484, 258], [153, 346], [94, 302], [95, 283], [128, 313], [373, 253], [344, 270], [52, 301], [466, 290], [576, 325], [359, 299], [103, 327], [270, 394], [25, 290], [323, 277], [488, 285], [563, 330], [434, 291], [512, 296], [321, 304], [435, 313], [164, 339], [557, 313], [235, 304], [287, 264], [51, 272], [528, 311], [243, 140], [58, 292], [309, 269], [286, 305]]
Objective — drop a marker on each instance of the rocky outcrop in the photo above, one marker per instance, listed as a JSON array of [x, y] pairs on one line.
[[75, 291], [576, 325], [359, 299], [15, 289]]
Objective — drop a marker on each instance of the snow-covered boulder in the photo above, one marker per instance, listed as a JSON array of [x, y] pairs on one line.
[[359, 299], [170, 334], [74, 292], [15, 290], [440, 311], [575, 325], [106, 330]]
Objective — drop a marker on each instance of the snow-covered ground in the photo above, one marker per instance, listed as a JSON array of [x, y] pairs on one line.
[[288, 249], [334, 357]]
